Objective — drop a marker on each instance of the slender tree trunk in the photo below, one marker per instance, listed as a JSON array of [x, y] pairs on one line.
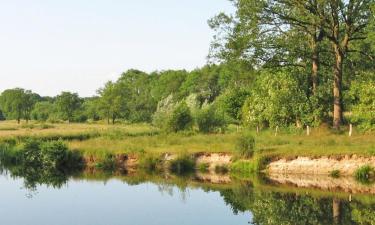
[[337, 88], [315, 67], [113, 119]]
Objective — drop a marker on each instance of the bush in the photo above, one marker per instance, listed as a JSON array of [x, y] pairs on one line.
[[221, 169], [48, 155], [203, 167], [182, 165], [363, 108], [180, 119], [245, 145], [108, 163], [335, 173], [150, 163], [210, 120], [365, 174]]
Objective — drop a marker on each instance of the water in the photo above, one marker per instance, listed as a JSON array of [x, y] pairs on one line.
[[112, 202], [160, 199]]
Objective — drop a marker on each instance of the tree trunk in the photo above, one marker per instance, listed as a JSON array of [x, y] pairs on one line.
[[337, 88], [315, 67], [113, 119]]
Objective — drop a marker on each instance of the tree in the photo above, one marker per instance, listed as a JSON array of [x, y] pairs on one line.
[[42, 111], [91, 108], [141, 103], [180, 119], [17, 103], [345, 22], [67, 104], [276, 100], [210, 119], [113, 101]]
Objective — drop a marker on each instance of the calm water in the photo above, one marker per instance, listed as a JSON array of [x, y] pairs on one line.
[[91, 199], [112, 202]]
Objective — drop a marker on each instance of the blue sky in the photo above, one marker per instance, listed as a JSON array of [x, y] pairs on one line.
[[76, 45]]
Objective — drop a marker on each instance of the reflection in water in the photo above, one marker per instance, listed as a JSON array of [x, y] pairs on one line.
[[268, 204]]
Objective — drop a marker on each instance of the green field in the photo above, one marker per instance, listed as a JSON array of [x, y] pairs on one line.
[[99, 139]]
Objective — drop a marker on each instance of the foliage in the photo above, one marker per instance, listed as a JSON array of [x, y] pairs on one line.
[[180, 119], [335, 173], [276, 100], [108, 163], [17, 103], [363, 110], [68, 104], [365, 174], [210, 119], [42, 111], [182, 164], [245, 145], [232, 101]]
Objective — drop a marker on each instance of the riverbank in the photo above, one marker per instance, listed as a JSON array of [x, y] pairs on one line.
[[141, 145]]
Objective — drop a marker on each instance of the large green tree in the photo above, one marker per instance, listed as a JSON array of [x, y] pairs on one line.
[[68, 104], [17, 103]]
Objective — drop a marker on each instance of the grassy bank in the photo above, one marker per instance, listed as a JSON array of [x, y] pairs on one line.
[[100, 140]]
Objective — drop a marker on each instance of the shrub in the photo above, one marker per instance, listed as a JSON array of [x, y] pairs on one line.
[[210, 120], [245, 145], [182, 165], [48, 155], [180, 119], [362, 93], [203, 167], [335, 173], [365, 174], [108, 163], [221, 169], [150, 163]]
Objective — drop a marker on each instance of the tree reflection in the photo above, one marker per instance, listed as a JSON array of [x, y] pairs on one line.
[[275, 208]]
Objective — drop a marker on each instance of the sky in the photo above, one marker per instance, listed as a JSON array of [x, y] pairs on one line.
[[49, 46]]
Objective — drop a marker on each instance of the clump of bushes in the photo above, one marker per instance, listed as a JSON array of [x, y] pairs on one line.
[[182, 165], [150, 163], [180, 119], [365, 174], [210, 120], [245, 145], [44, 155], [108, 163]]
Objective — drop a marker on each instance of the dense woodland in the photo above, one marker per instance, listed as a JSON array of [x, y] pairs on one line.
[[286, 63]]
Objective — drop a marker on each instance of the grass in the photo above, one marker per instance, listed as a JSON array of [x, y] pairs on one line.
[[101, 139], [365, 174]]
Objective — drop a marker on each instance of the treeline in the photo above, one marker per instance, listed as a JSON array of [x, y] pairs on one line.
[[273, 63]]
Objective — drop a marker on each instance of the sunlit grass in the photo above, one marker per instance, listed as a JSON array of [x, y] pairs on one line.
[[143, 138]]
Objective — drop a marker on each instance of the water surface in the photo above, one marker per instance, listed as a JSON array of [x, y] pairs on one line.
[[162, 199]]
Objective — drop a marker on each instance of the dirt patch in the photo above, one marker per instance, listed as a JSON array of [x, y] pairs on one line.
[[347, 165]]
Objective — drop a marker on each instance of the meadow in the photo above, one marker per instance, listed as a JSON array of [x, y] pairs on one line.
[[101, 139]]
